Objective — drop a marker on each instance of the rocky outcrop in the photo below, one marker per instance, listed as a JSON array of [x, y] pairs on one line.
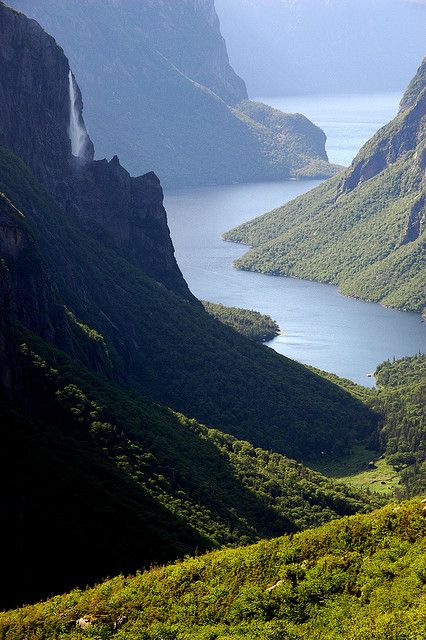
[[34, 123], [188, 34], [415, 87], [401, 135], [127, 213], [34, 97]]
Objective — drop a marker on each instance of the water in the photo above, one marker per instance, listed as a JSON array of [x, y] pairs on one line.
[[348, 120], [320, 327], [76, 132]]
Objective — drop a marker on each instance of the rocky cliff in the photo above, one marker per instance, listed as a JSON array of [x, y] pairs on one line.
[[34, 97], [188, 34], [160, 92], [405, 133], [35, 118]]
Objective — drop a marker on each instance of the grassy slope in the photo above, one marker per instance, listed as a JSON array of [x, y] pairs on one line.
[[359, 578], [172, 350], [400, 400]]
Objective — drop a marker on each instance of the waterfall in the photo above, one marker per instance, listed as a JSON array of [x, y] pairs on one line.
[[77, 133]]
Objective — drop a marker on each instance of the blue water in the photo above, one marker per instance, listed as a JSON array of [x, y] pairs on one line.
[[319, 326], [348, 120]]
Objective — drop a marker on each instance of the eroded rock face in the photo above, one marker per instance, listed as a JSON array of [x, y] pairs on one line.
[[126, 212], [391, 142], [34, 96], [188, 33]]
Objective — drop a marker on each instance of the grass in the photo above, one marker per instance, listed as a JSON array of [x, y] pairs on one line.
[[354, 470]]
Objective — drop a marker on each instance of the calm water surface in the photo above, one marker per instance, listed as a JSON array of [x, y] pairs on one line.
[[320, 326], [348, 120]]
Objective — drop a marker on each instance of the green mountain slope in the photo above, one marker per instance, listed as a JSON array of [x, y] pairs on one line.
[[364, 229], [122, 482], [402, 399], [357, 578], [399, 443], [160, 343]]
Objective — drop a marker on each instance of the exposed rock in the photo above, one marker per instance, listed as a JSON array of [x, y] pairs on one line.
[[390, 143], [34, 123], [167, 100], [83, 623]]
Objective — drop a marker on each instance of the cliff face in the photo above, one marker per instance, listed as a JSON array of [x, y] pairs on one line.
[[160, 93], [34, 96], [127, 213], [35, 123], [405, 133], [188, 34]]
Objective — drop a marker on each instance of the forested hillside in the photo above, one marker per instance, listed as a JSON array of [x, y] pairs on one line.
[[251, 324], [97, 326], [364, 229], [150, 339], [123, 482]]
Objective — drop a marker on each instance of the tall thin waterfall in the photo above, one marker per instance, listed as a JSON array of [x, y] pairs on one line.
[[77, 133]]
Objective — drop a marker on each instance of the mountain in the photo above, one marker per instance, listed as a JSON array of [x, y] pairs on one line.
[[161, 94], [363, 229], [361, 577], [103, 349], [323, 46], [107, 268]]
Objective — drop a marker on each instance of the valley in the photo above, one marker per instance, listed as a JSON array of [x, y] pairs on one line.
[[319, 326], [190, 450]]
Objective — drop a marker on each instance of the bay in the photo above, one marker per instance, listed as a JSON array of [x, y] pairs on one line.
[[319, 326]]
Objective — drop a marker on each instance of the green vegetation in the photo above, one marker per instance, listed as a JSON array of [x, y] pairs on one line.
[[358, 578], [251, 324], [397, 449], [136, 482], [164, 346], [408, 370], [361, 229], [363, 469], [401, 398]]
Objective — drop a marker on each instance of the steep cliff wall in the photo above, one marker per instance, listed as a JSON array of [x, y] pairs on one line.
[[34, 97], [160, 93], [406, 132], [188, 34], [34, 123]]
